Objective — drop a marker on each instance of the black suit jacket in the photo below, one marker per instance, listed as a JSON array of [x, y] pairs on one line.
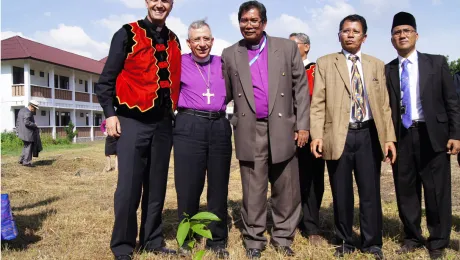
[[438, 96]]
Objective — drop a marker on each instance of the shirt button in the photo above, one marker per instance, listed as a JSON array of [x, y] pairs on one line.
[[282, 94], [239, 94], [280, 115], [243, 114]]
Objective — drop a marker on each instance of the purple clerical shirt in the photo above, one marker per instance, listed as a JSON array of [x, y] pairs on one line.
[[259, 75], [193, 86]]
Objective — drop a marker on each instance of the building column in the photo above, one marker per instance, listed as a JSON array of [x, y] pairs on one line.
[[53, 122], [51, 84], [27, 88], [90, 88], [72, 84], [74, 121], [91, 121]]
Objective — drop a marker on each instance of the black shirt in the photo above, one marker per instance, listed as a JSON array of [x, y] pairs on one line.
[[105, 88]]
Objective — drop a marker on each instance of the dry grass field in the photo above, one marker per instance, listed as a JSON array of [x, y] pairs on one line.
[[64, 210]]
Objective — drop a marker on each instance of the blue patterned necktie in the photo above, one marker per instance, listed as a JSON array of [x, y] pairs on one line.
[[405, 95]]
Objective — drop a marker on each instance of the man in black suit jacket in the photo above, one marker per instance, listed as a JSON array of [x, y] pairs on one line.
[[27, 131], [426, 114]]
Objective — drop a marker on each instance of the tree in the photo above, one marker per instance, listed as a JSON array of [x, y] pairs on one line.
[[454, 66]]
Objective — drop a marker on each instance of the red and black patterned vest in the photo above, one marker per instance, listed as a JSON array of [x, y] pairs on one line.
[[149, 67], [310, 70]]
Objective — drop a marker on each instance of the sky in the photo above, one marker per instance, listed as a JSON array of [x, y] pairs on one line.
[[86, 27]]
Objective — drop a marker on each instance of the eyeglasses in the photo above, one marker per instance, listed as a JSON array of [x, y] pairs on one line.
[[199, 39], [407, 32], [348, 32], [255, 23]]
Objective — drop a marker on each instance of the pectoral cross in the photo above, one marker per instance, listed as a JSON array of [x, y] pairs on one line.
[[208, 95]]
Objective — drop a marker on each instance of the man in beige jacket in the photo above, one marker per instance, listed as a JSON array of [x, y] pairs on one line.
[[352, 130]]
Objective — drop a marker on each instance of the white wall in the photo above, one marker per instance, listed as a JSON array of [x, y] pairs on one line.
[[6, 80], [42, 120], [36, 79], [80, 87], [81, 121]]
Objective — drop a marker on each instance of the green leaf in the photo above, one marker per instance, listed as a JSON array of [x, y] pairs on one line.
[[199, 255], [182, 232], [200, 230], [206, 216], [191, 244]]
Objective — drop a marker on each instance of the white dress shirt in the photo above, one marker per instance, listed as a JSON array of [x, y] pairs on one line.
[[415, 102], [306, 62], [360, 69]]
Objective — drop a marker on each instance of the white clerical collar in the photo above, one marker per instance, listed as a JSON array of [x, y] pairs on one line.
[[347, 54], [413, 58], [306, 62], [199, 60], [257, 46], [158, 29]]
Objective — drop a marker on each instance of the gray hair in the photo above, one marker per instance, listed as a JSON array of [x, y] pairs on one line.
[[301, 37], [197, 25]]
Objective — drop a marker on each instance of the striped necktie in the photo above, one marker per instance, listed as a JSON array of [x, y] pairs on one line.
[[359, 103]]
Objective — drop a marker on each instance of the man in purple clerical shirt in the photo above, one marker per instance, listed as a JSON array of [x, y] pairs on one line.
[[265, 78], [202, 136]]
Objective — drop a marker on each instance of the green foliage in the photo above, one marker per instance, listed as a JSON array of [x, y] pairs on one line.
[[196, 225], [12, 144], [10, 141], [70, 132], [454, 66]]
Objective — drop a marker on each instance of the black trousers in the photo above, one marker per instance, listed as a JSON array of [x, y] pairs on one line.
[[143, 151], [362, 155], [26, 155], [203, 147], [311, 176], [418, 165]]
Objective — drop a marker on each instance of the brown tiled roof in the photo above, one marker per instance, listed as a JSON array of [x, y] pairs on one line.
[[19, 48], [104, 60]]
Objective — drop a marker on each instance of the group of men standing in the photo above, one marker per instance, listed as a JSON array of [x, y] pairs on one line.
[[359, 113]]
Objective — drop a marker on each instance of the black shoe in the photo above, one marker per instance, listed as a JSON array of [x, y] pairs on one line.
[[376, 251], [285, 250], [20, 162], [436, 254], [253, 253], [406, 248], [123, 257], [163, 251], [341, 251], [220, 251], [28, 165]]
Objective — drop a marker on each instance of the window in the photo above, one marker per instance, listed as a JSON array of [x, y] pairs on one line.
[[87, 119], [16, 112], [18, 75], [94, 87], [63, 82], [97, 119], [57, 119], [56, 81], [80, 81], [82, 115], [65, 118], [43, 113], [32, 72], [86, 86], [42, 74]]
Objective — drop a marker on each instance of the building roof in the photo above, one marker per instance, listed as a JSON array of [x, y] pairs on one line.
[[104, 60], [19, 48]]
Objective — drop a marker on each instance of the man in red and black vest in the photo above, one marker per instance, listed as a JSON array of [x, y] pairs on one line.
[[141, 78], [311, 170]]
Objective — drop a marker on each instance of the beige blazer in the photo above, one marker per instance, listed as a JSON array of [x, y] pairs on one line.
[[289, 101], [331, 102]]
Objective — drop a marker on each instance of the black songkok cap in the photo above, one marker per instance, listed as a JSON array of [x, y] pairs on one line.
[[403, 18]]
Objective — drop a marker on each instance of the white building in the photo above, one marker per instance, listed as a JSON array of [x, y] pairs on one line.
[[62, 82]]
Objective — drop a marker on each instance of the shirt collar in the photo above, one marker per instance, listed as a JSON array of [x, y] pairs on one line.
[[306, 62], [257, 46], [201, 61], [413, 58], [347, 54], [152, 26]]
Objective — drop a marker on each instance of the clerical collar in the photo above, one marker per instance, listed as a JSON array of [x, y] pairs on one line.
[[199, 60], [152, 25], [257, 46]]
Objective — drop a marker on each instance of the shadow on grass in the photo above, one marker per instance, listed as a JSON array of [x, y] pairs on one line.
[[36, 204], [27, 226], [44, 162]]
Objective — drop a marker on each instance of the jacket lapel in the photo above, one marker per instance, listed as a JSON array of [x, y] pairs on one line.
[[395, 82], [341, 65], [425, 72], [273, 73], [245, 74], [367, 71]]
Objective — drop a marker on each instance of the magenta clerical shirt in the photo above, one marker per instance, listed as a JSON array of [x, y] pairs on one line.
[[193, 86], [259, 75]]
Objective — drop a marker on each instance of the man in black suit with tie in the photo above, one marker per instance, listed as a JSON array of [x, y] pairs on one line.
[[426, 114]]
